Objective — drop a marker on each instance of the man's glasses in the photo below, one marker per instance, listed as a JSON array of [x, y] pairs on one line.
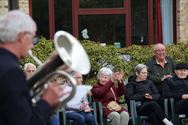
[[36, 39]]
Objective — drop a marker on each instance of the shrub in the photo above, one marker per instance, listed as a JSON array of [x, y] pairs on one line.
[[42, 51], [110, 56], [138, 54]]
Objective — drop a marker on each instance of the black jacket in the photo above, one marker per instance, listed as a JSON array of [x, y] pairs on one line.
[[137, 90], [15, 105], [175, 87]]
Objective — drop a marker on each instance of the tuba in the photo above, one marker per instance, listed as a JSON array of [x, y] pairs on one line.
[[69, 56]]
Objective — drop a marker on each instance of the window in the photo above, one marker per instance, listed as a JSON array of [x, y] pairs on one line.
[[139, 14], [101, 3], [41, 16], [103, 28], [63, 15], [124, 21]]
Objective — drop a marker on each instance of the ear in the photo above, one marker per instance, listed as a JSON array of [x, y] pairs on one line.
[[136, 73], [21, 37]]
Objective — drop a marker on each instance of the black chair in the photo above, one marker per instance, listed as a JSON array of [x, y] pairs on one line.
[[176, 118], [137, 119], [106, 121], [62, 113]]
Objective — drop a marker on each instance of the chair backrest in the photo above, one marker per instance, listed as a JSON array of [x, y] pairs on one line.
[[92, 104], [175, 116]]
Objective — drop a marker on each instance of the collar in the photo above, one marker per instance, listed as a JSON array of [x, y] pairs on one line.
[[165, 61]]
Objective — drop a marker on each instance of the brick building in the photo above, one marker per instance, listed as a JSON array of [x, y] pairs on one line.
[[124, 21]]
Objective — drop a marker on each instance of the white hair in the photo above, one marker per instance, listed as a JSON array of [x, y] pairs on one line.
[[139, 68], [29, 64], [104, 71], [13, 23], [159, 46]]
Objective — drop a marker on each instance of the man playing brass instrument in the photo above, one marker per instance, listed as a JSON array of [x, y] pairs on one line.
[[17, 31]]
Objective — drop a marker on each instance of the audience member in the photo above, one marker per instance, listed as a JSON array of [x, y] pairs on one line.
[[145, 93], [177, 88], [79, 111], [107, 92], [160, 66], [17, 31], [29, 69]]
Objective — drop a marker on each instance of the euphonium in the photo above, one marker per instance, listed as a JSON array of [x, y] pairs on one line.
[[69, 56]]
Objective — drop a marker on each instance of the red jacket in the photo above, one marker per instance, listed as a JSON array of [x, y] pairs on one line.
[[102, 93]]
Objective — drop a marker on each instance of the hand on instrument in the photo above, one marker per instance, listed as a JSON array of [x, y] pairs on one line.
[[52, 94]]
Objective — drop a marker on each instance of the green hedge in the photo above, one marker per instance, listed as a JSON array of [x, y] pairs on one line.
[[110, 56], [42, 50]]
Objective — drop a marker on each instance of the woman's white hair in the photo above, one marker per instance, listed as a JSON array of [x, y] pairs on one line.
[[139, 68], [29, 64], [104, 71], [13, 23]]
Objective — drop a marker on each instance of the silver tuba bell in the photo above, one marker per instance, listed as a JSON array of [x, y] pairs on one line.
[[69, 56]]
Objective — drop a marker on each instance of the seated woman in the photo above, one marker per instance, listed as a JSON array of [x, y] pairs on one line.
[[106, 91], [144, 92], [79, 110], [177, 88]]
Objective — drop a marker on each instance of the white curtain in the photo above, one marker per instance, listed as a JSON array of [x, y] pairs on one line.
[[167, 21]]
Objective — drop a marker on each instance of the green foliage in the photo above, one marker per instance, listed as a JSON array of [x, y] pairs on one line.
[[110, 56], [42, 51], [102, 56], [139, 54], [178, 52]]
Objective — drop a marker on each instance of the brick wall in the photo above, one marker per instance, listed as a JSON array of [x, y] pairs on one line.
[[182, 20], [3, 6], [23, 5]]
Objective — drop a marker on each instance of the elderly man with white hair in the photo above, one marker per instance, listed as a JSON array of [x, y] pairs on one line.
[[17, 31], [160, 66], [106, 91]]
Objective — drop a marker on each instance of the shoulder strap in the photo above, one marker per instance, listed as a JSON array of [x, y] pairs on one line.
[[113, 94]]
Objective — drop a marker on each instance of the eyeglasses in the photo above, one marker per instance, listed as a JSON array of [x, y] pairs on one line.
[[35, 39], [30, 71], [160, 50], [144, 72]]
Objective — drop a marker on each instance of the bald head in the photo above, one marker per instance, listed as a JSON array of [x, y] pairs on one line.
[[160, 52], [159, 46]]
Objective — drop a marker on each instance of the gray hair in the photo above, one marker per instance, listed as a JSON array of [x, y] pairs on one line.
[[13, 23], [104, 71], [29, 64], [139, 68]]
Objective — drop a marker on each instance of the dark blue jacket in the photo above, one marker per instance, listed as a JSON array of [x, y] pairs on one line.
[[15, 102]]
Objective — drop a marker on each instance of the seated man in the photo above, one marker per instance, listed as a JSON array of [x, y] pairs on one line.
[[78, 108], [160, 66], [177, 88]]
